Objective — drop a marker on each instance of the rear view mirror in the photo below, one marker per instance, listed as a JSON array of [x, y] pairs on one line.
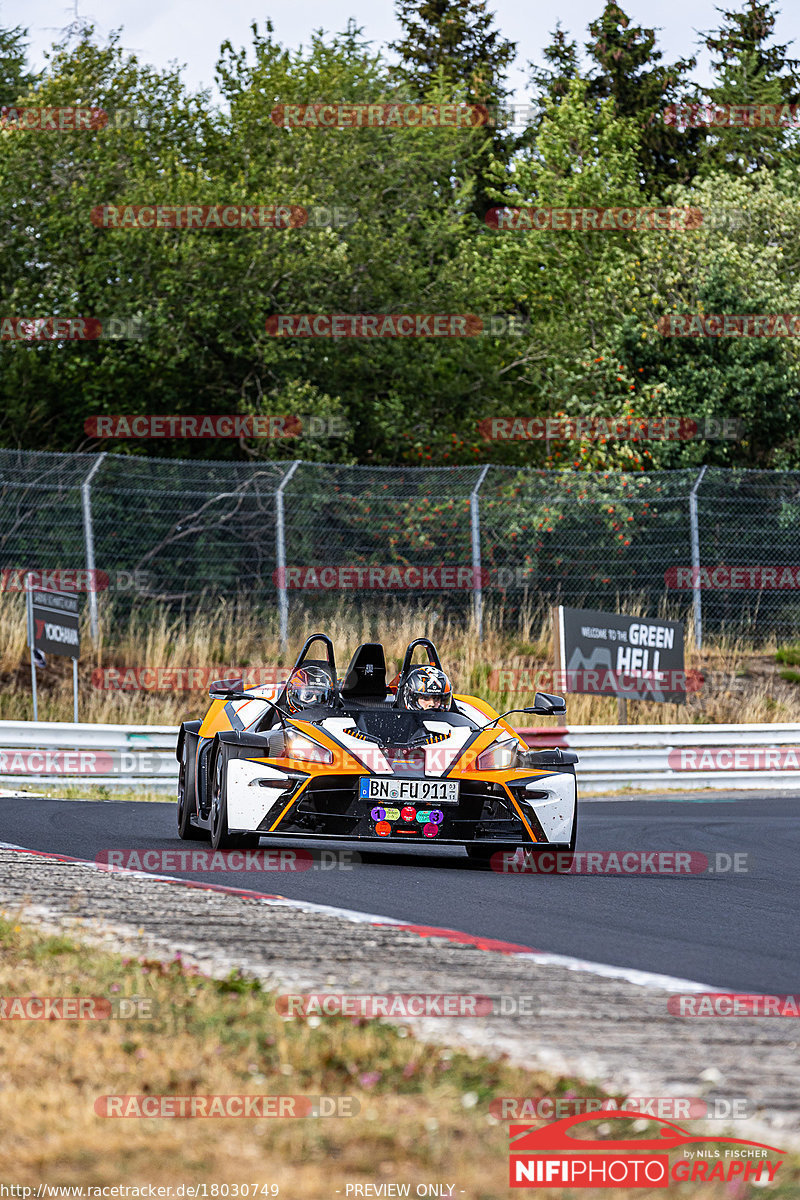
[[545, 705], [227, 689], [555, 757]]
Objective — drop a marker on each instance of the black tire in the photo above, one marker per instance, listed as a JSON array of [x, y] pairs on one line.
[[483, 853], [186, 801], [221, 837]]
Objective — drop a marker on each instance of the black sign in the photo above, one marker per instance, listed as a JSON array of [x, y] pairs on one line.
[[54, 623], [607, 654]]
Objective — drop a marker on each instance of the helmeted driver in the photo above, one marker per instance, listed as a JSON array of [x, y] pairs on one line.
[[308, 686], [427, 689]]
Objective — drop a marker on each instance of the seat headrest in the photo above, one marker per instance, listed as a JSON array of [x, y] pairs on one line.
[[366, 675]]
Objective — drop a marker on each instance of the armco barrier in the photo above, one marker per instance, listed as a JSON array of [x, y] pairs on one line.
[[681, 757], [117, 755], [640, 757]]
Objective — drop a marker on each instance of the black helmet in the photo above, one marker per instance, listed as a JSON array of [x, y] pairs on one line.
[[426, 689], [308, 686]]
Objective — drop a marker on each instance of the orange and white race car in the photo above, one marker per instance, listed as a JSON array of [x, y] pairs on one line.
[[366, 759]]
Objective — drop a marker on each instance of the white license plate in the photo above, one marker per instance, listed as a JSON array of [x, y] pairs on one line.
[[415, 791]]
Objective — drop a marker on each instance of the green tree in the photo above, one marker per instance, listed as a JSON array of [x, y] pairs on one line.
[[15, 76], [206, 296], [55, 262], [743, 258], [563, 282], [552, 82], [455, 43], [630, 71], [751, 69], [457, 37], [623, 64]]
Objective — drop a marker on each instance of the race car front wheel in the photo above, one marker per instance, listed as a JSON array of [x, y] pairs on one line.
[[187, 830], [483, 852], [221, 837]]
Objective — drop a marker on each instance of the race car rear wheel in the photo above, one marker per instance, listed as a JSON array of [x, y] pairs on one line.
[[186, 829], [221, 837]]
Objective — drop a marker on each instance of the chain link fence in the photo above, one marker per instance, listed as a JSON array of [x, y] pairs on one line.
[[286, 535]]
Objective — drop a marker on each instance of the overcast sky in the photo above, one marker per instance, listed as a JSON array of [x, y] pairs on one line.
[[190, 31]]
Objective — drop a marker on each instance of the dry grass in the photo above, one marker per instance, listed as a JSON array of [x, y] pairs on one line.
[[740, 684], [423, 1110]]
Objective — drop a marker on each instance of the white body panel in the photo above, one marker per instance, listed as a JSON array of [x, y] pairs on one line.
[[249, 803], [556, 813]]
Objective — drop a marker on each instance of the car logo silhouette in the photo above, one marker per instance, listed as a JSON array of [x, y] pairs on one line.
[[558, 1137]]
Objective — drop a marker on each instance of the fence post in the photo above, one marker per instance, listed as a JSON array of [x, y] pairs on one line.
[[280, 556], [695, 535], [475, 524], [88, 542]]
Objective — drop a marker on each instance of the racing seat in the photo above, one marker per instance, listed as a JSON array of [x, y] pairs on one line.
[[365, 680]]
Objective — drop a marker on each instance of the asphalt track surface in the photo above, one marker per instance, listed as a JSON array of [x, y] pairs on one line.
[[732, 930]]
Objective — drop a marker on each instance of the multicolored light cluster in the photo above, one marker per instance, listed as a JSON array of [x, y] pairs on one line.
[[429, 819]]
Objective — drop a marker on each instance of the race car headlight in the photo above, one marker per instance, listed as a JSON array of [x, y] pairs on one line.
[[307, 750], [499, 757]]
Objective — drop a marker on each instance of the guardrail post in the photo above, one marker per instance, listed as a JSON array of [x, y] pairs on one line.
[[695, 536], [475, 524], [29, 618], [88, 540], [280, 556]]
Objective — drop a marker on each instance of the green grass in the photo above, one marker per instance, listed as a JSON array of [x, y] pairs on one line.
[[94, 791]]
